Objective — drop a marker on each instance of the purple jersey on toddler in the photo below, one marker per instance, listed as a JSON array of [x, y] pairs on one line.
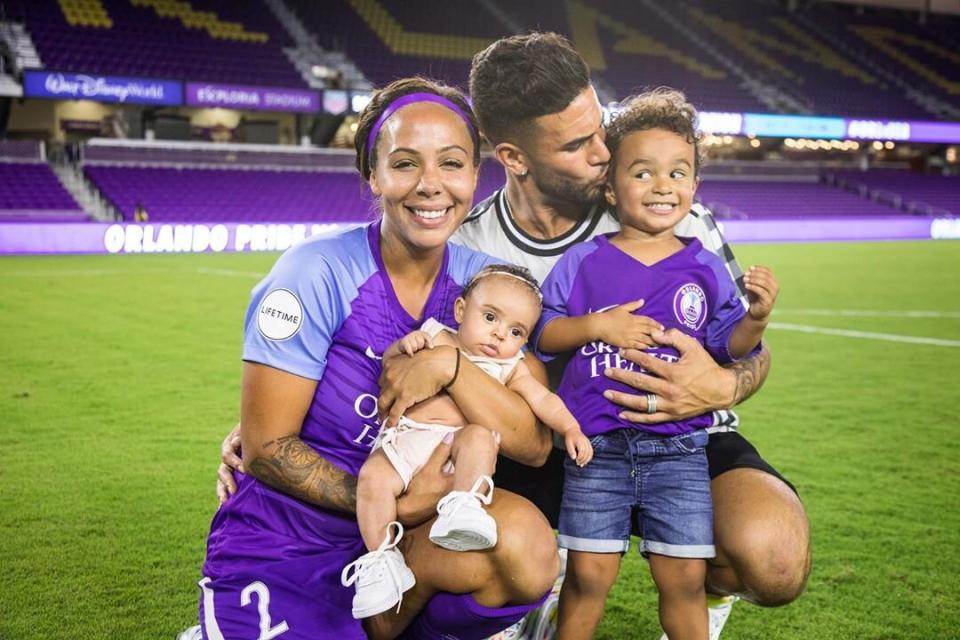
[[655, 475], [690, 290], [327, 311]]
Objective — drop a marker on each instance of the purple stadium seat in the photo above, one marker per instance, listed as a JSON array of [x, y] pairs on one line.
[[141, 43], [31, 192], [237, 195]]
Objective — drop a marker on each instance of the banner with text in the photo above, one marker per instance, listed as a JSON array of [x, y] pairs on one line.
[[205, 94], [80, 86]]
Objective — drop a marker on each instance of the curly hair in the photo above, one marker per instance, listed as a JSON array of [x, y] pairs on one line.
[[660, 108], [382, 99]]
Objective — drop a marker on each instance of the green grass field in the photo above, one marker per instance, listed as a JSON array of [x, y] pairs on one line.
[[119, 376]]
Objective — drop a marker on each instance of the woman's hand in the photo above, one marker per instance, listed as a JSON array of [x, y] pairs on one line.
[[406, 381]]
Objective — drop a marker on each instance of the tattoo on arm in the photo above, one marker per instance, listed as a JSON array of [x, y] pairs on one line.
[[292, 467], [751, 374]]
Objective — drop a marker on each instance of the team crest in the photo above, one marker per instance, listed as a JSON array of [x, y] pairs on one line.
[[690, 306]]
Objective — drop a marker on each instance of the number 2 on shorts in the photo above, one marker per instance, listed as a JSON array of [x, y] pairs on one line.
[[263, 605]]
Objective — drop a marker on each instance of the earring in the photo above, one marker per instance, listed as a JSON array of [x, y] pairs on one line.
[[524, 174]]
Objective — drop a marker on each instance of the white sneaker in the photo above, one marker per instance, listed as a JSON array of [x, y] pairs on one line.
[[463, 525], [718, 608], [192, 633], [381, 576]]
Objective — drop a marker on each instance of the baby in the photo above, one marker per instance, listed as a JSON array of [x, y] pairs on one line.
[[497, 313]]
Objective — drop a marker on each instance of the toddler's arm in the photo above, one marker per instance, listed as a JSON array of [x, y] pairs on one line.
[[617, 326], [762, 289], [550, 410]]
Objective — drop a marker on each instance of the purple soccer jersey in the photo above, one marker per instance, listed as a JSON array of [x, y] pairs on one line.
[[690, 290], [327, 311]]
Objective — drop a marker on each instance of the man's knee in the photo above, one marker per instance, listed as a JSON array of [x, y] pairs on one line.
[[526, 557], [762, 537]]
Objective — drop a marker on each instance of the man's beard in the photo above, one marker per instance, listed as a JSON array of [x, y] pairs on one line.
[[564, 193]]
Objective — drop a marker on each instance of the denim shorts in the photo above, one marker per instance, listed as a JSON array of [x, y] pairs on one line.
[[661, 482]]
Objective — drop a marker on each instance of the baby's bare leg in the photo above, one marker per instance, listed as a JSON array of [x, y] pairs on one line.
[[378, 487], [474, 454]]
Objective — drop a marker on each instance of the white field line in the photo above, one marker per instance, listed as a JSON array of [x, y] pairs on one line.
[[866, 335], [41, 273], [866, 313], [230, 273]]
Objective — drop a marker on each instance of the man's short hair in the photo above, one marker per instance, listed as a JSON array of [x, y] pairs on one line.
[[520, 78]]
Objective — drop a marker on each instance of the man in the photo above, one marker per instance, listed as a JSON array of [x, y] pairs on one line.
[[536, 107], [535, 104]]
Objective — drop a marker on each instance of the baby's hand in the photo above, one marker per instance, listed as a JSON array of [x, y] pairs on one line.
[[578, 447], [619, 327], [415, 341], [762, 289]]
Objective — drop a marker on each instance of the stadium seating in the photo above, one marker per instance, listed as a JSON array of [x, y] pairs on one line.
[[914, 190], [786, 200], [245, 195], [819, 56], [31, 192], [201, 40]]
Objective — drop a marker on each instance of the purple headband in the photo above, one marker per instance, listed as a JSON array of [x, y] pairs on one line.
[[403, 101]]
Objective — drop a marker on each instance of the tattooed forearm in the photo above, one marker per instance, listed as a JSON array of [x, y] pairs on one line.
[[751, 374], [289, 465]]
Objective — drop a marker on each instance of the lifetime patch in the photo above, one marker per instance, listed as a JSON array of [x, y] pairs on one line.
[[280, 315]]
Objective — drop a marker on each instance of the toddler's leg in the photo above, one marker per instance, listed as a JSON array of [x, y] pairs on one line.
[[378, 487], [584, 593], [474, 454], [683, 600]]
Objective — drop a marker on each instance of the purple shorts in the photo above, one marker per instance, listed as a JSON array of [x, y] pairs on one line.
[[273, 571]]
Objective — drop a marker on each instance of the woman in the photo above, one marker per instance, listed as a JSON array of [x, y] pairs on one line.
[[314, 331]]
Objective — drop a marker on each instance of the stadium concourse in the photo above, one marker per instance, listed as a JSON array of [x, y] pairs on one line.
[[206, 127]]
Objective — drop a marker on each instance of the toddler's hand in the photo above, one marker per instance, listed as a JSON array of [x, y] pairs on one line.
[[578, 447], [415, 341], [619, 327], [762, 289]]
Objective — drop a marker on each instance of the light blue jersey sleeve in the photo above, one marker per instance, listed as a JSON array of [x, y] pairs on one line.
[[295, 311]]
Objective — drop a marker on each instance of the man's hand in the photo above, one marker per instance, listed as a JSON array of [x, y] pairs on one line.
[[693, 385], [762, 289], [406, 381], [229, 461], [620, 327]]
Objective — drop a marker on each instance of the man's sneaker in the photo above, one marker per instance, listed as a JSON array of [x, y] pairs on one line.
[[718, 607], [193, 633], [463, 525], [381, 576]]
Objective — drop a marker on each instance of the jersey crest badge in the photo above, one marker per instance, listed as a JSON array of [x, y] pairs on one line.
[[690, 306]]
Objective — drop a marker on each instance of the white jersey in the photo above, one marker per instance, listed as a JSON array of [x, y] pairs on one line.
[[490, 228]]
